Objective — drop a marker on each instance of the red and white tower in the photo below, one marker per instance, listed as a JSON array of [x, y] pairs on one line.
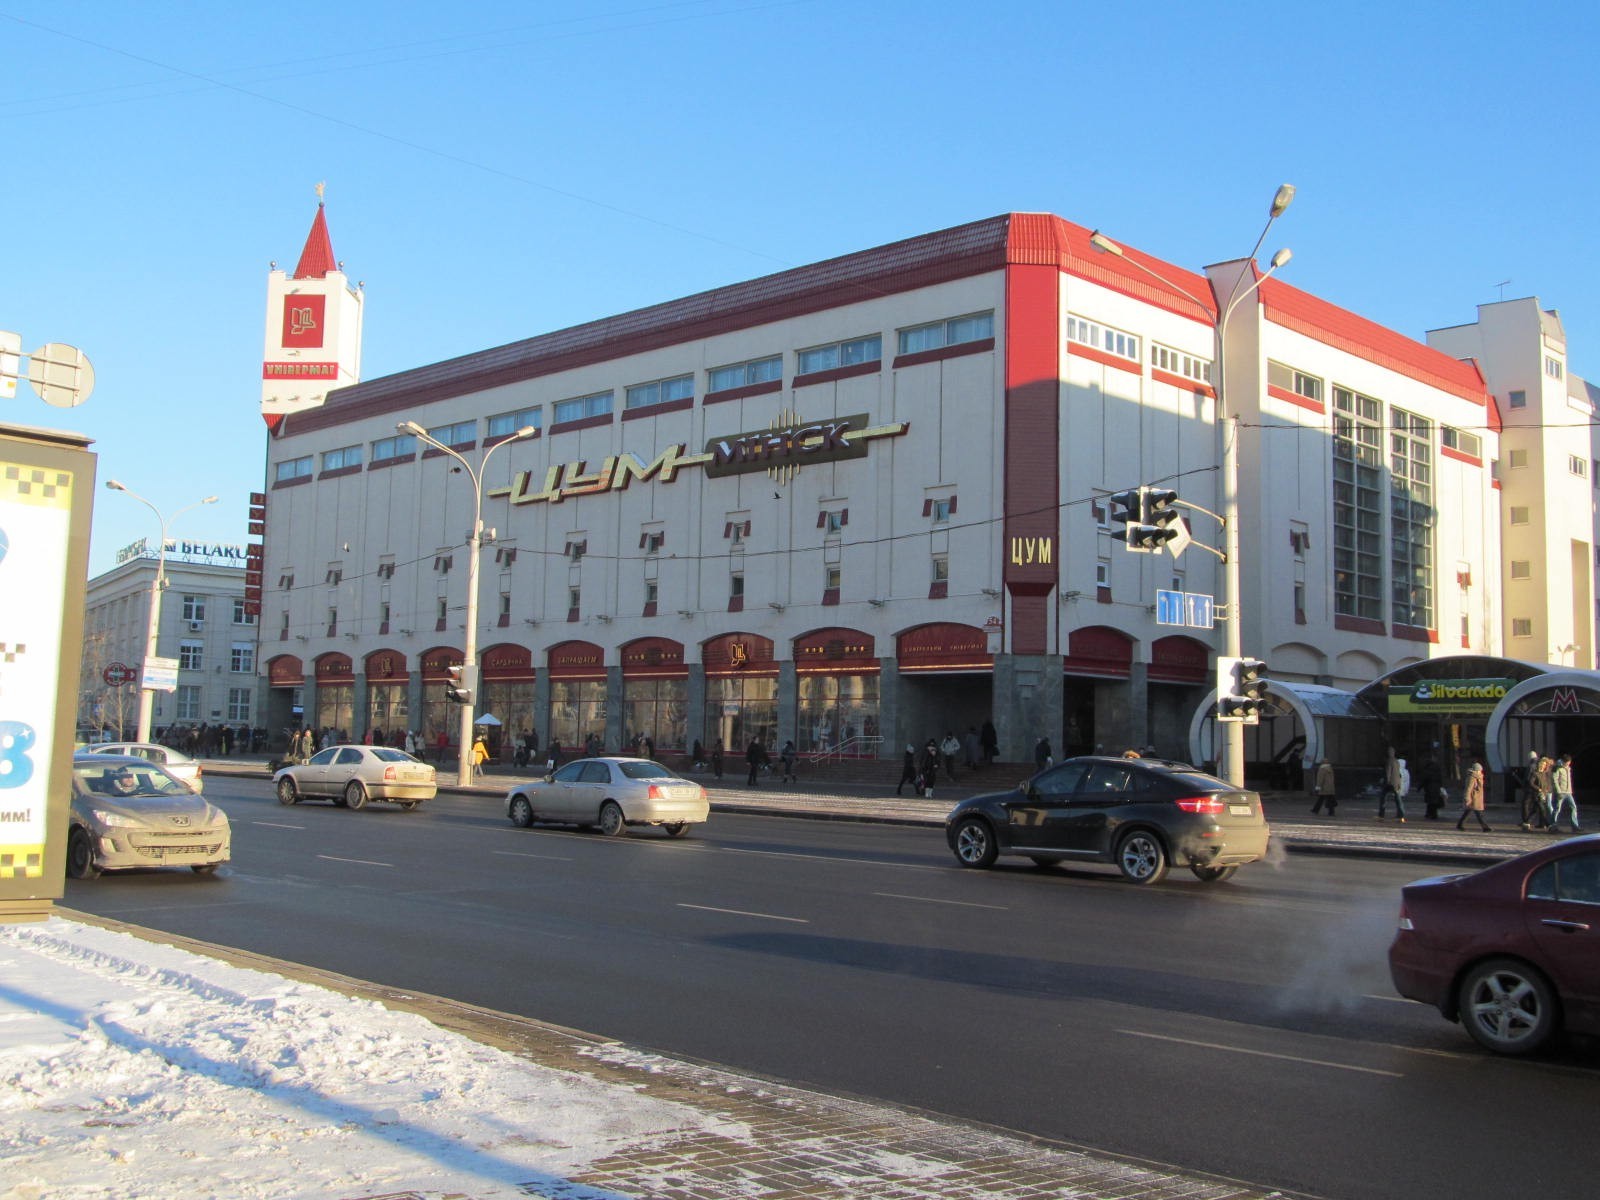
[[313, 335]]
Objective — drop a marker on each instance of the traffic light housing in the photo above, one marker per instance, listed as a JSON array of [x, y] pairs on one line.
[[1127, 510], [455, 690], [1241, 689]]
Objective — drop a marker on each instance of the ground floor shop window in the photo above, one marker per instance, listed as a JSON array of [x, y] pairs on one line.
[[388, 709], [512, 704], [836, 709], [336, 706], [740, 708], [657, 709], [577, 709]]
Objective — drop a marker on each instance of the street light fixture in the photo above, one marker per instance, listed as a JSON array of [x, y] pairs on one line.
[[469, 651], [1233, 635], [157, 586]]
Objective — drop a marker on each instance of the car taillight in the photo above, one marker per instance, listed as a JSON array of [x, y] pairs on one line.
[[1405, 917], [656, 792], [389, 775], [1201, 804]]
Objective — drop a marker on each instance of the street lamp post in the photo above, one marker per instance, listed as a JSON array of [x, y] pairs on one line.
[[157, 586], [1232, 768], [469, 649]]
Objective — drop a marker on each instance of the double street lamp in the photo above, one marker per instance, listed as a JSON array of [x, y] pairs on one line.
[[469, 649], [157, 586], [1228, 422]]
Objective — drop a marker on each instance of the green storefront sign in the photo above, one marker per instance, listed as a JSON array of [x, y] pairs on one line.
[[1448, 697]]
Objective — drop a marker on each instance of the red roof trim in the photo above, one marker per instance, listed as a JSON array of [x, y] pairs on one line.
[[1095, 354], [316, 260], [1288, 397], [1337, 327], [1460, 455]]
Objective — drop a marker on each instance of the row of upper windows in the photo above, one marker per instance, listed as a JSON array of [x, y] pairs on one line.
[[936, 335], [1347, 402], [1127, 345]]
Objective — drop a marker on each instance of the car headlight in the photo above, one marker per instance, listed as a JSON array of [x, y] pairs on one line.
[[112, 820]]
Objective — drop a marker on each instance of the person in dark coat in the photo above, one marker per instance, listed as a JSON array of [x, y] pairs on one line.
[[788, 756], [1041, 754], [930, 766], [908, 770], [755, 756], [716, 759], [991, 743], [553, 755], [1432, 789]]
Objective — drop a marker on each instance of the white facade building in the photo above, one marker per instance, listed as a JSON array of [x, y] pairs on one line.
[[867, 499], [204, 626]]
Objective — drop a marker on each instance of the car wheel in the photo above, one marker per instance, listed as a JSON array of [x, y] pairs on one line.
[[408, 805], [287, 793], [611, 819], [521, 812], [204, 868], [676, 828], [1507, 1006], [1142, 857], [355, 796], [80, 856], [1213, 874], [974, 844]]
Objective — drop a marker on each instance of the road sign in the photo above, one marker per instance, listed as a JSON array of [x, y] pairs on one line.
[[1199, 611], [116, 674], [61, 374], [1169, 607], [160, 675]]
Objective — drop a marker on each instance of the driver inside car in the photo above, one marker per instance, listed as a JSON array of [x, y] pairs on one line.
[[123, 783]]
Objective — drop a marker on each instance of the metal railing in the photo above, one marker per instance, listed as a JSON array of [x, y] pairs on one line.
[[860, 746]]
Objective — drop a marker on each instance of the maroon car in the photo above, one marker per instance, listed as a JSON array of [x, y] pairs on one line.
[[1512, 951]]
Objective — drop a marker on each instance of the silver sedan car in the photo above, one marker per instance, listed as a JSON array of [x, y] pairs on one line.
[[176, 761], [352, 775], [129, 812], [610, 794]]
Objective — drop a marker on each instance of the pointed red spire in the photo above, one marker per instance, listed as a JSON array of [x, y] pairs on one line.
[[316, 260]]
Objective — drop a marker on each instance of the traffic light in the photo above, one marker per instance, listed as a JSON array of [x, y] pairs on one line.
[[1127, 510], [1241, 689], [455, 689]]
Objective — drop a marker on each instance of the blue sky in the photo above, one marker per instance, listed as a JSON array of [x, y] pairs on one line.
[[499, 170]]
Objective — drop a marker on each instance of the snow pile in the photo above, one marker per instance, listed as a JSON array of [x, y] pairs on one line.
[[130, 1069]]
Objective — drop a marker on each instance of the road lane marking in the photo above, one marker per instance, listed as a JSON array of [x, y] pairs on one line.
[[521, 854], [277, 825], [937, 900], [739, 912], [365, 862], [1315, 1062], [830, 858]]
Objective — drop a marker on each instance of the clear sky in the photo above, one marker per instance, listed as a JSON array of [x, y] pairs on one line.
[[497, 170]]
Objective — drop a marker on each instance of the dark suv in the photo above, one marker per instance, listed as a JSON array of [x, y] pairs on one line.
[[1143, 814]]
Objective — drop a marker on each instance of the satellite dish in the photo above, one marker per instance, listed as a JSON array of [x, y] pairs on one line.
[[61, 374]]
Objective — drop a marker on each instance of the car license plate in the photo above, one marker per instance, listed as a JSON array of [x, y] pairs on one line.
[[1239, 810]]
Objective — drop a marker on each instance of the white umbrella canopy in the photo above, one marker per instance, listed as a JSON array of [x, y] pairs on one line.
[[488, 719]]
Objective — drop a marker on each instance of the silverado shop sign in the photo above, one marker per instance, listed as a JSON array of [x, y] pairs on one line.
[[775, 450]]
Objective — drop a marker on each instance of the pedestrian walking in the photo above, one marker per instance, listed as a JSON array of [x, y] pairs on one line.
[[948, 749], [478, 757], [1528, 785], [552, 758], [698, 756], [1561, 781], [788, 755], [1544, 786], [971, 748], [1322, 785], [930, 767], [755, 755], [1042, 757], [1432, 789], [908, 771], [1397, 782], [1472, 798], [991, 743], [716, 759]]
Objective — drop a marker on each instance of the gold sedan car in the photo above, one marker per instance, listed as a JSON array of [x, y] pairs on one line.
[[352, 775]]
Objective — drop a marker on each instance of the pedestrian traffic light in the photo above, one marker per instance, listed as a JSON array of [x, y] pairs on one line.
[[1127, 510], [1241, 689], [454, 689]]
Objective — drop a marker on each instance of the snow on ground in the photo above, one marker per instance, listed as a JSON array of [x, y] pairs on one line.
[[135, 1070]]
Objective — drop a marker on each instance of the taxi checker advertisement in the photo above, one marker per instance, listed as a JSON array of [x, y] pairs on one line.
[[43, 549]]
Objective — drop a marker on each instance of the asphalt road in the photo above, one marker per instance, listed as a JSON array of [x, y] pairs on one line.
[[1245, 1029]]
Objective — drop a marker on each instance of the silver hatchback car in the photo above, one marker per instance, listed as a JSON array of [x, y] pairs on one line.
[[129, 812], [610, 794]]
